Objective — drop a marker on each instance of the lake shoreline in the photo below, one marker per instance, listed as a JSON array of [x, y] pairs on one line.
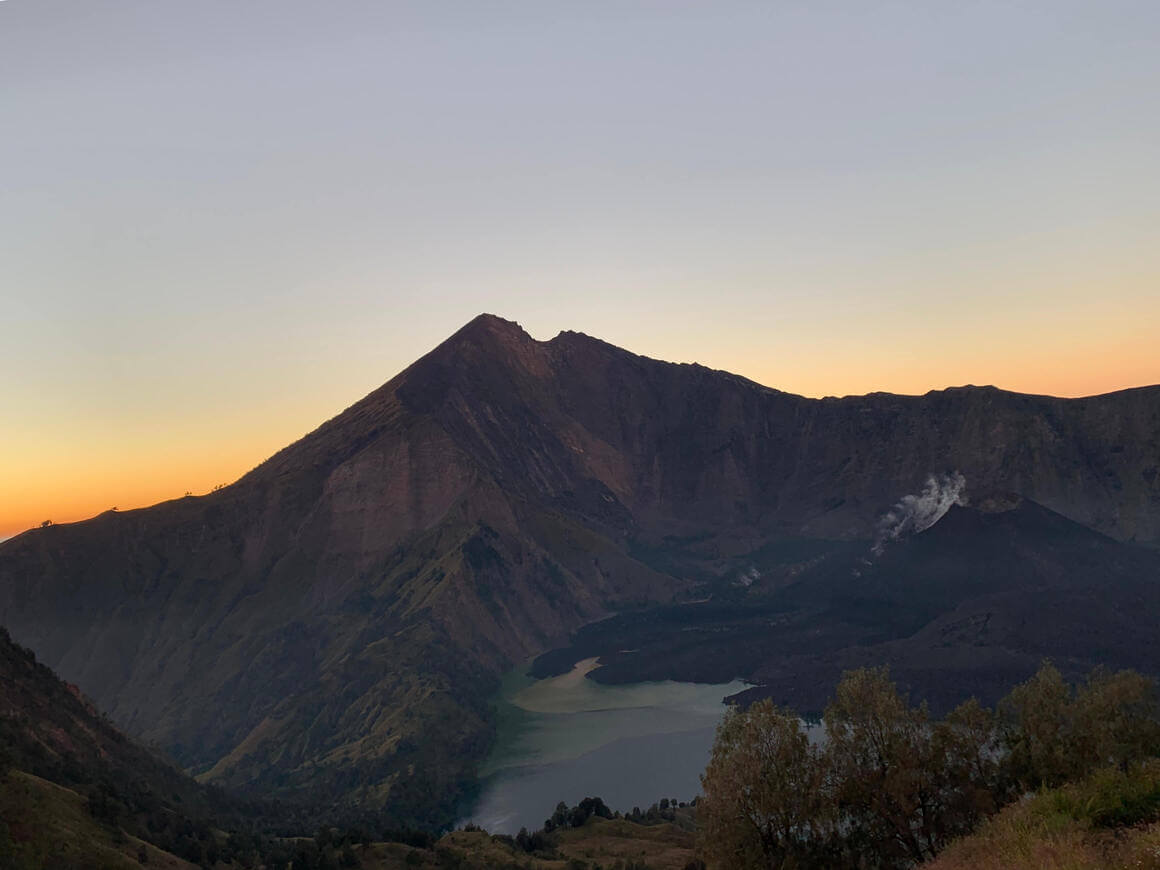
[[568, 736]]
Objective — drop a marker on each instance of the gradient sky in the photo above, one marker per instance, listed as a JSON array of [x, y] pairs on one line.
[[222, 222]]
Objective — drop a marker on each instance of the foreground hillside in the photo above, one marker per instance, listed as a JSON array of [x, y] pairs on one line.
[[599, 844], [44, 825], [77, 793], [49, 729], [330, 627], [1105, 823]]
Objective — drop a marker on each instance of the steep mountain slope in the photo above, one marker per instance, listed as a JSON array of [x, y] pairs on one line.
[[44, 825], [74, 791], [331, 625], [48, 728]]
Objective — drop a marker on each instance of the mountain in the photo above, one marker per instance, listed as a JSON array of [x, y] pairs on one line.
[[49, 728], [970, 607], [75, 792], [330, 627]]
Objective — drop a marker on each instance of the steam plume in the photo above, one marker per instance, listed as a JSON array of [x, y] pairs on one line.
[[916, 513]]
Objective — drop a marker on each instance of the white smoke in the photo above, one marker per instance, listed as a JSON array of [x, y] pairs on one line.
[[748, 578], [917, 513]]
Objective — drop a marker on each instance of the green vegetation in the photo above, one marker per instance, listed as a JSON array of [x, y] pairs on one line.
[[597, 844], [1055, 734], [891, 787], [75, 794], [48, 827], [1058, 776], [1106, 821], [45, 825]]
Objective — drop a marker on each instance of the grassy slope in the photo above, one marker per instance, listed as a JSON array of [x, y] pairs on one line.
[[50, 826], [598, 843], [661, 847], [1108, 822]]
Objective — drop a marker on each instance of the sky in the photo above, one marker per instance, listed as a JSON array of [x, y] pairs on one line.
[[221, 223]]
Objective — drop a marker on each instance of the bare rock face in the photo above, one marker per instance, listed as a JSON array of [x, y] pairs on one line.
[[331, 625]]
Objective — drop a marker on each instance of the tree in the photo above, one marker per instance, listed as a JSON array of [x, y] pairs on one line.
[[967, 743], [764, 801], [892, 787], [906, 786], [1036, 718], [558, 819], [1115, 720], [880, 755], [1054, 734]]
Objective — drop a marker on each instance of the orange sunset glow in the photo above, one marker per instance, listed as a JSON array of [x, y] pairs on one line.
[[207, 253], [49, 474]]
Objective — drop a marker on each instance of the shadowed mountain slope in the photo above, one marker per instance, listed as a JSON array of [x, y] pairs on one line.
[[972, 605], [969, 606], [77, 793], [332, 624], [48, 728]]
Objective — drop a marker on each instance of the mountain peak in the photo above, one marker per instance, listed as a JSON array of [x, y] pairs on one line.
[[490, 327], [488, 339]]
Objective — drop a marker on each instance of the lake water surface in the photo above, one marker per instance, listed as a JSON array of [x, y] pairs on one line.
[[569, 737]]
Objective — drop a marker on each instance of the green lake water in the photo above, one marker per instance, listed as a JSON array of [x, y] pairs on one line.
[[568, 737]]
